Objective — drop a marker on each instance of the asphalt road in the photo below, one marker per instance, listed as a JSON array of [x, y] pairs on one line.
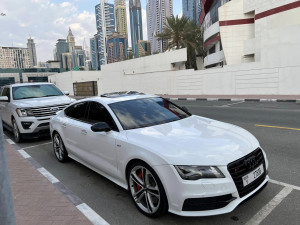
[[281, 143]]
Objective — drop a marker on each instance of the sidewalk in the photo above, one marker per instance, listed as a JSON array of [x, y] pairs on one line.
[[36, 200]]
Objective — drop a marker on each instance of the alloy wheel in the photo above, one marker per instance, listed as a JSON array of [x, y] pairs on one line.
[[144, 189], [58, 147]]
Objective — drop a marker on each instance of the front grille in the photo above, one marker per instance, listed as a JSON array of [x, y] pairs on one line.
[[209, 203], [46, 110], [238, 169]]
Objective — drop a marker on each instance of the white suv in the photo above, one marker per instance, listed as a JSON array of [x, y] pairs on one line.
[[26, 109]]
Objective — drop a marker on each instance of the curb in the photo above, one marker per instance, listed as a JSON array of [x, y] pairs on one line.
[[234, 99], [87, 211]]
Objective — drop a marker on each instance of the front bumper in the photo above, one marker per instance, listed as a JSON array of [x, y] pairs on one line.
[[183, 194], [38, 126]]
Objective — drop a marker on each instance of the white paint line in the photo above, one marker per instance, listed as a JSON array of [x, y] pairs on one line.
[[24, 154], [48, 175], [212, 99], [269, 207], [33, 146], [268, 100], [227, 105], [91, 215], [284, 184], [10, 141], [237, 99], [191, 99], [174, 99]]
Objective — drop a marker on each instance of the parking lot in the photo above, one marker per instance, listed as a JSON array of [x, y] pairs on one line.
[[275, 124]]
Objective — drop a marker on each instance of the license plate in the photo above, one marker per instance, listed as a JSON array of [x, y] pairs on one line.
[[252, 176]]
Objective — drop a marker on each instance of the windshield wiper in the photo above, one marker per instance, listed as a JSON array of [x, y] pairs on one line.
[[26, 98], [48, 96]]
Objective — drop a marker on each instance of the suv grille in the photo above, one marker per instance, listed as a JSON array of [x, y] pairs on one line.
[[238, 169], [47, 110]]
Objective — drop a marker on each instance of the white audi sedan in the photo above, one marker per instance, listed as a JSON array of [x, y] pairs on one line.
[[167, 158]]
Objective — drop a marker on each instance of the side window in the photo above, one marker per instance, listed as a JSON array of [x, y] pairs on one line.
[[77, 111], [98, 113], [5, 92]]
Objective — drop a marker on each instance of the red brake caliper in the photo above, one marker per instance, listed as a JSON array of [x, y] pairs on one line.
[[140, 176]]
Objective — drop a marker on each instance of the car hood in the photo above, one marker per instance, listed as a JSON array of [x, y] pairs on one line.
[[195, 141], [46, 101]]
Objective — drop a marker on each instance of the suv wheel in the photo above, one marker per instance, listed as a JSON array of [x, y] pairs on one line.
[[17, 134], [146, 190]]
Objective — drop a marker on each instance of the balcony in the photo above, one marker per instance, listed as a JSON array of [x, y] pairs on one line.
[[211, 31], [214, 58]]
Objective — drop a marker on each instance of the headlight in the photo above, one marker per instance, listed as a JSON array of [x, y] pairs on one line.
[[24, 112], [198, 172]]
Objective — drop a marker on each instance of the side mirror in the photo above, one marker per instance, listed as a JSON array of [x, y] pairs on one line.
[[3, 99], [66, 92], [185, 108], [100, 127]]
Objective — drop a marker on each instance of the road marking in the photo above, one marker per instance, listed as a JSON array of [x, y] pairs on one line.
[[10, 141], [286, 128], [94, 217], [285, 184], [191, 99], [24, 154], [33, 146], [227, 105], [48, 175], [269, 207]]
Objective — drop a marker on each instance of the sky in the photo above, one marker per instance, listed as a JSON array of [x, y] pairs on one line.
[[48, 20]]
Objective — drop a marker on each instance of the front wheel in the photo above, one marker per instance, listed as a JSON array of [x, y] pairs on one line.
[[59, 148], [17, 134], [146, 190]]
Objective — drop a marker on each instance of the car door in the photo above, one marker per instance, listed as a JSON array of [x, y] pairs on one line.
[[72, 124], [101, 146], [4, 106]]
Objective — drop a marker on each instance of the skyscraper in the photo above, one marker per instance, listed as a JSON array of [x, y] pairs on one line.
[[12, 57], [94, 52], [116, 48], [157, 13], [121, 20], [32, 52], [61, 47], [105, 21], [136, 25], [191, 9]]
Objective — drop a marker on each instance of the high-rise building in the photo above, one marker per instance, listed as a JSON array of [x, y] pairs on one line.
[[136, 24], [61, 47], [191, 9], [157, 13], [67, 60], [143, 48], [32, 52], [94, 52], [120, 16], [116, 48], [12, 57], [71, 41], [79, 57], [105, 22]]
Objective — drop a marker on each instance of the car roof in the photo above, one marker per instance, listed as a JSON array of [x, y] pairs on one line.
[[121, 98], [26, 84]]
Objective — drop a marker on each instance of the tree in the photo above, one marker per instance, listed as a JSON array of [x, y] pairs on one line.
[[180, 32]]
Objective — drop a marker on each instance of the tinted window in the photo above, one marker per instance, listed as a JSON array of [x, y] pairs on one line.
[[77, 111], [35, 91], [5, 92], [98, 113], [146, 112]]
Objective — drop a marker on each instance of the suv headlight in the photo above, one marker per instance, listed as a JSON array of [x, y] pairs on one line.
[[24, 112], [199, 172]]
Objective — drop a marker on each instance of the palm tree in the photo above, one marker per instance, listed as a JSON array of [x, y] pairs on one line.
[[180, 32]]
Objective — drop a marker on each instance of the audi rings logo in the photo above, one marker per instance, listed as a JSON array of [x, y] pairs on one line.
[[251, 162], [54, 109]]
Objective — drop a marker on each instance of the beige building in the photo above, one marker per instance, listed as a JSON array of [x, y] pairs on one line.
[[13, 57], [144, 48], [120, 15], [67, 60]]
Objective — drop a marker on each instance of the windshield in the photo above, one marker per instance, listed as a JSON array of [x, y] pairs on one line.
[[146, 112], [35, 91]]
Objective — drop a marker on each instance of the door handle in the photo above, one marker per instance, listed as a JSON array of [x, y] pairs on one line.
[[83, 132], [64, 125]]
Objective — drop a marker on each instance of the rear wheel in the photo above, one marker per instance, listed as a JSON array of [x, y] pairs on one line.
[[17, 134], [59, 148], [146, 190]]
